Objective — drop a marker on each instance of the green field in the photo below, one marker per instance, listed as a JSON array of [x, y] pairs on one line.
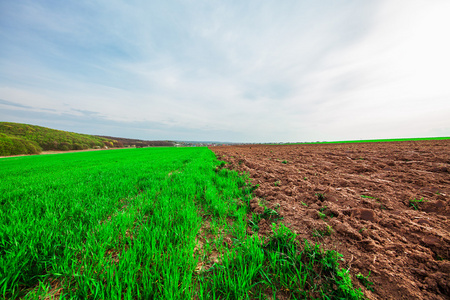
[[380, 140], [152, 223]]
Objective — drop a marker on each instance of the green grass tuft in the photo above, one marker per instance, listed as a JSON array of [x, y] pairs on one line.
[[365, 281], [415, 203]]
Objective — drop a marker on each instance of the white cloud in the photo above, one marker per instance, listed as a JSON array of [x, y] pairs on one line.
[[269, 71]]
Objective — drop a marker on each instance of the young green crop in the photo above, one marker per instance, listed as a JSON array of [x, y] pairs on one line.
[[153, 223], [365, 281], [280, 265], [414, 203], [109, 224]]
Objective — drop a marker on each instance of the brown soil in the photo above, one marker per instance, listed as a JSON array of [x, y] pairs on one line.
[[406, 250]]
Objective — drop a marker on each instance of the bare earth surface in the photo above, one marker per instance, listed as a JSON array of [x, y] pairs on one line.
[[363, 193]]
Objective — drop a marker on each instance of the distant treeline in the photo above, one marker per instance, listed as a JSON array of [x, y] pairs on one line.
[[16, 138], [139, 143]]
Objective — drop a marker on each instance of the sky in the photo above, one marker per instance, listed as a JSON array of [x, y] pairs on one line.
[[232, 71]]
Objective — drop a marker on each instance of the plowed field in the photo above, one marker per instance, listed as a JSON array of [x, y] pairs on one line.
[[384, 206]]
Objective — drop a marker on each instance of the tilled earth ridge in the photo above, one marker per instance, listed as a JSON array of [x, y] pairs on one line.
[[355, 199]]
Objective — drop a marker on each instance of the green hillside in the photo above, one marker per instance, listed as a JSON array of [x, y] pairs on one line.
[[11, 145], [16, 138]]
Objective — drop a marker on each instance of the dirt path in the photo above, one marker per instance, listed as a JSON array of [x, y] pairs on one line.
[[384, 206]]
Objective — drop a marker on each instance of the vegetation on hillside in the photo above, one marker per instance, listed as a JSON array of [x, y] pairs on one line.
[[31, 139], [11, 145]]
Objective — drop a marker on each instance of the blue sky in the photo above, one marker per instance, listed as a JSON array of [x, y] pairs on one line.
[[238, 71]]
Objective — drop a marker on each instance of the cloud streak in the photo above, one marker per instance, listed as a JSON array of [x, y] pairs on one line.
[[249, 72]]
